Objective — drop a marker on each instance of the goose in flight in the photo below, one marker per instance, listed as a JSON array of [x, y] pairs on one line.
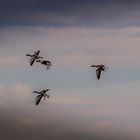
[[41, 93], [45, 62], [34, 57], [99, 69]]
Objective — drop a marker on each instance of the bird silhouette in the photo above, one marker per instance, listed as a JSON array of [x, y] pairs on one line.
[[42, 94], [45, 62], [99, 69], [34, 57]]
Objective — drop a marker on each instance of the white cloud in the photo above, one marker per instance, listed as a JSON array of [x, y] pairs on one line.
[[16, 94]]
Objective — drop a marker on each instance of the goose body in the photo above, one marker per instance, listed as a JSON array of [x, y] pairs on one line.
[[34, 57], [45, 62], [42, 93], [99, 69]]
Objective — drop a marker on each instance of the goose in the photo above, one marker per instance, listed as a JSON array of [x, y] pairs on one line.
[[41, 93], [99, 69], [34, 57], [45, 62]]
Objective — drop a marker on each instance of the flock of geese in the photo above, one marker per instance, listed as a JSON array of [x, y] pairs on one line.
[[36, 58]]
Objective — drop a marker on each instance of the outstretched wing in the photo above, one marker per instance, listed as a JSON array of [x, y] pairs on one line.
[[98, 73], [32, 60], [94, 66], [38, 99], [29, 55]]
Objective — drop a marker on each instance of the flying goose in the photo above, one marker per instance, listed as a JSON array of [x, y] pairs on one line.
[[41, 93], [45, 62], [99, 69], [34, 57]]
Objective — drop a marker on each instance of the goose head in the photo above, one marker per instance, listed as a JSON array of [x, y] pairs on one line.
[[104, 67]]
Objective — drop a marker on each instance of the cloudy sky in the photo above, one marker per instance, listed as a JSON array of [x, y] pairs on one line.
[[72, 34]]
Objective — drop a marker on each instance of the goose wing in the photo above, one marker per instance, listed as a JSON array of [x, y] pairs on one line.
[[32, 60], [98, 73], [94, 66], [45, 62], [29, 55], [35, 91], [38, 99]]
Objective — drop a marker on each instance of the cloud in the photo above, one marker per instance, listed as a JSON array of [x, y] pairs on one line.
[[73, 101], [70, 46], [14, 94], [96, 116], [70, 13]]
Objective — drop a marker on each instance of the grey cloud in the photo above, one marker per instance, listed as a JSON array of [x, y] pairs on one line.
[[115, 13], [12, 128], [21, 119]]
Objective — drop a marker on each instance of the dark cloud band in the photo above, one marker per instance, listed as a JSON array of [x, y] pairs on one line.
[[110, 13]]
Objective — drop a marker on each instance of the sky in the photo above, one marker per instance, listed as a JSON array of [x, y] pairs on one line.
[[73, 35]]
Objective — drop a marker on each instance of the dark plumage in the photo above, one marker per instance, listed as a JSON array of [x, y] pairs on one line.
[[45, 62], [99, 69], [42, 93], [34, 57]]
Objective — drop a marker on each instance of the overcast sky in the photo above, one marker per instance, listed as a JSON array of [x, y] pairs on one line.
[[60, 13], [73, 35]]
